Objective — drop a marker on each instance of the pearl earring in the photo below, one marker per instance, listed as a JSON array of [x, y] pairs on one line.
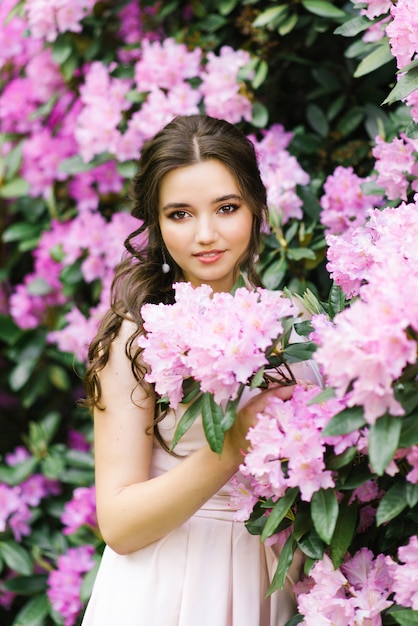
[[165, 266]]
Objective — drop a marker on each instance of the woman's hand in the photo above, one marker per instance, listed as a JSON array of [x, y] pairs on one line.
[[236, 442]]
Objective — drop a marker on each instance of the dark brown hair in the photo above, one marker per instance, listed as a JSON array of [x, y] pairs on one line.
[[138, 278]]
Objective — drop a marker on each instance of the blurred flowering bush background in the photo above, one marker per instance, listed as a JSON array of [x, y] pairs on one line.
[[328, 92]]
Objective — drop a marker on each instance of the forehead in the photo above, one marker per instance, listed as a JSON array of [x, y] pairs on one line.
[[208, 178]]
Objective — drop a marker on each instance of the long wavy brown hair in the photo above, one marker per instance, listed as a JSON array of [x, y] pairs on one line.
[[138, 279]]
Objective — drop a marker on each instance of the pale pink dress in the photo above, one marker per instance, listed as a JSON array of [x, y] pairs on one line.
[[208, 572]]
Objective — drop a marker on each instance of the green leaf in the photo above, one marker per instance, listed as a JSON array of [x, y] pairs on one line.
[[285, 561], [226, 6], [407, 83], [336, 300], [258, 378], [230, 414], [375, 59], [16, 188], [9, 331], [59, 377], [187, 420], [344, 532], [345, 422], [296, 352], [127, 169], [411, 491], [16, 557], [287, 24], [318, 121], [260, 115], [343, 459], [34, 612], [15, 474], [269, 16], [353, 27], [275, 273], [293, 621], [13, 161], [325, 395], [383, 442], [21, 231], [404, 617], [350, 121], [190, 388], [324, 512], [297, 254], [212, 416], [359, 474], [20, 374], [239, 284], [76, 165], [393, 502], [312, 545], [323, 9], [39, 287], [62, 48], [78, 458], [88, 582], [260, 74], [279, 511], [26, 585], [50, 424]]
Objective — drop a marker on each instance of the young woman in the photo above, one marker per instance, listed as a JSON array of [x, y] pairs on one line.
[[174, 555]]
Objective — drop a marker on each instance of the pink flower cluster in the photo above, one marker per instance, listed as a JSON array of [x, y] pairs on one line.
[[404, 574], [162, 75], [16, 502], [368, 345], [280, 172], [344, 203], [353, 595], [48, 18], [103, 100], [80, 510], [221, 88], [89, 236], [14, 46], [287, 448], [237, 331], [64, 583], [403, 31], [396, 166]]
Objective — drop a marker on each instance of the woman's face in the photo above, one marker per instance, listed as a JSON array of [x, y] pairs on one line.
[[205, 223]]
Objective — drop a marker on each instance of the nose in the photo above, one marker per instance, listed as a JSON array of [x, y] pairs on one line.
[[206, 232]]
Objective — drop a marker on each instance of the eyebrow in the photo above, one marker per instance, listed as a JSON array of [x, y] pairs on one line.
[[183, 205]]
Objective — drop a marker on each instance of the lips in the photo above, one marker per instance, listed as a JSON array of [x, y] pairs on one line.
[[209, 256]]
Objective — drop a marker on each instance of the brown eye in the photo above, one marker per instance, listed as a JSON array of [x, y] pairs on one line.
[[227, 208]]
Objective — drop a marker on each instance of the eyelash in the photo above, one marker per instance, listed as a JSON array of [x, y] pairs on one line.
[[175, 216]]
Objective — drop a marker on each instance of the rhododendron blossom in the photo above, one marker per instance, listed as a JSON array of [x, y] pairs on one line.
[[287, 448], [238, 330], [165, 64], [402, 31], [48, 18], [405, 574], [344, 203], [395, 165], [370, 356], [280, 172], [354, 594], [80, 510], [64, 583], [221, 87]]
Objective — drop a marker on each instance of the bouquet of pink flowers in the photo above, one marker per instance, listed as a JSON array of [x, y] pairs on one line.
[[206, 347]]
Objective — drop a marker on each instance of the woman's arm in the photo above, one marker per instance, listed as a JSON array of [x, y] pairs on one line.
[[133, 509]]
